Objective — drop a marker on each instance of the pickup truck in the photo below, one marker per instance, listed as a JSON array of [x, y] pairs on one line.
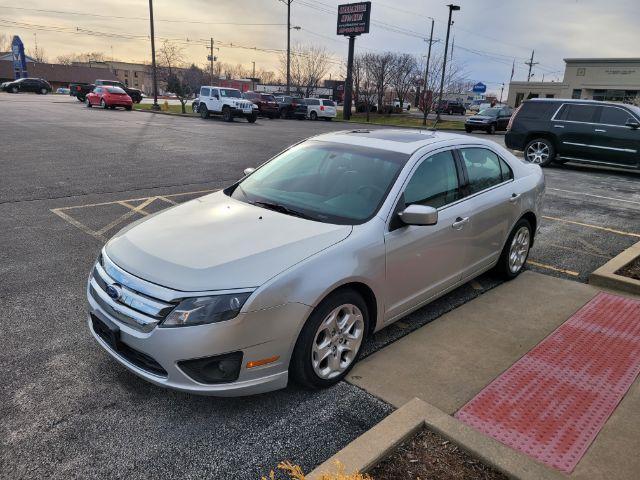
[[80, 90]]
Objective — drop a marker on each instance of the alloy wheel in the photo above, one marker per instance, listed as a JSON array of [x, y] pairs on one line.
[[337, 341], [538, 152], [519, 249]]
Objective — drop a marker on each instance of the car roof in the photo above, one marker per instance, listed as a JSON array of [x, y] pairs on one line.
[[572, 100], [404, 140]]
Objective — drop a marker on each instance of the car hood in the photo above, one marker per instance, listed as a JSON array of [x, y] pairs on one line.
[[218, 243]]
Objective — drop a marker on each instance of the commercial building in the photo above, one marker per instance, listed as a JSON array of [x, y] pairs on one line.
[[57, 75], [134, 75], [611, 79]]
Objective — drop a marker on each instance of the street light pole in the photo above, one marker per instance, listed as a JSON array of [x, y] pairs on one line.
[[155, 105], [452, 8], [289, 47], [501, 92], [425, 107]]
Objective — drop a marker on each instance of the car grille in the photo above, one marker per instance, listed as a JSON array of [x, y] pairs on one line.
[[131, 307]]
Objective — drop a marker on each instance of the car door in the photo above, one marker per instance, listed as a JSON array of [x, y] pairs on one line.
[[216, 100], [94, 96], [503, 118], [423, 261], [574, 126], [618, 142], [491, 205]]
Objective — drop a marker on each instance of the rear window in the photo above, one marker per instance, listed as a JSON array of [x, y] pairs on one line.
[[115, 90], [205, 92], [615, 116], [328, 103], [310, 101], [268, 98], [537, 110]]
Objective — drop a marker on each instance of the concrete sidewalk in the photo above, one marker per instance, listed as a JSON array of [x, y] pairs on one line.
[[447, 362]]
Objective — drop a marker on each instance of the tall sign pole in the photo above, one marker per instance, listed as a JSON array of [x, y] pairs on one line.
[[289, 47], [452, 8], [353, 20], [155, 105]]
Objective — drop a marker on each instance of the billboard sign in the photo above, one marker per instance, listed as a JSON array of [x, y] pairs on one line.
[[479, 88], [18, 58], [353, 18]]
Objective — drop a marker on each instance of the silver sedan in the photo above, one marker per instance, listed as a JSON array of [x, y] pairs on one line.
[[286, 272]]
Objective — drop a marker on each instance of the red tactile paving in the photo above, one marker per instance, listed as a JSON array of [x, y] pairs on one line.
[[552, 402]]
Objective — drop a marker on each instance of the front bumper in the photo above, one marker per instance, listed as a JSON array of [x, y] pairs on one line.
[[257, 334]]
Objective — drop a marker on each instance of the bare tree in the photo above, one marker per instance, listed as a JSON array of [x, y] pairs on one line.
[[5, 42], [86, 57], [38, 54], [309, 65], [170, 58], [380, 68], [403, 73]]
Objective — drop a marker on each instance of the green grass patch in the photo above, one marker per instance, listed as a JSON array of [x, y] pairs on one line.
[[402, 120], [171, 108]]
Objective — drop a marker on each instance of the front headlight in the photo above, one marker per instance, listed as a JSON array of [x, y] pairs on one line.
[[202, 310]]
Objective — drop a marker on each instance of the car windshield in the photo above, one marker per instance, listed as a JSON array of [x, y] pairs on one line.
[[115, 90], [323, 181], [634, 109], [230, 92], [489, 112]]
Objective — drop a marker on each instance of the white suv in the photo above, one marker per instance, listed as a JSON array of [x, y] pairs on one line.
[[320, 108], [227, 102]]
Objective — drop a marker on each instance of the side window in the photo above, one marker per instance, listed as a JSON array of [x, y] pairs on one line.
[[507, 173], [614, 116], [483, 168], [204, 92], [435, 182], [578, 113]]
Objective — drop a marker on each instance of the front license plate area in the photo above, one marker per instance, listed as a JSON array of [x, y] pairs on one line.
[[107, 331]]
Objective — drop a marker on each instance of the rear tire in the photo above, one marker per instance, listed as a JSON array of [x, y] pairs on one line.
[[204, 111], [103, 104], [516, 250], [340, 321], [491, 130], [89, 104], [540, 151], [327, 119], [313, 116], [15, 90], [468, 130], [129, 108], [44, 91]]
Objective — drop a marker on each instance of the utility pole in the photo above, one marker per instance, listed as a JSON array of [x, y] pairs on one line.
[[531, 63], [155, 105], [348, 85], [425, 104], [501, 92], [253, 77], [211, 63], [452, 8], [289, 47]]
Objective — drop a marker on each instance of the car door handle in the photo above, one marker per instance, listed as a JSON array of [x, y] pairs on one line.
[[514, 197], [599, 130], [459, 223], [558, 126]]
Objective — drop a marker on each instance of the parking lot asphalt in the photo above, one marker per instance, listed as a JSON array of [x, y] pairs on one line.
[[71, 177]]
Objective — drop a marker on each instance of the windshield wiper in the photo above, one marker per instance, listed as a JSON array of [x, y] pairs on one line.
[[282, 209]]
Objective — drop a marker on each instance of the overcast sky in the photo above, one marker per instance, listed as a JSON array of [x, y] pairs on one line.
[[488, 34]]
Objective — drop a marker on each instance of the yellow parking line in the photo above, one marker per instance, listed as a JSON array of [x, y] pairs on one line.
[[606, 229], [77, 224], [551, 267]]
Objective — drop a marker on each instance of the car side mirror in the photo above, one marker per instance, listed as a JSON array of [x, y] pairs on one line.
[[419, 215], [632, 124], [249, 171]]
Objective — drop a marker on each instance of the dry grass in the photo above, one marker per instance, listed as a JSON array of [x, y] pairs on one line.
[[294, 472]]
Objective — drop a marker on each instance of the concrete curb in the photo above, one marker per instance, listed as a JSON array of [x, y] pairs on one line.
[[606, 276], [375, 445], [166, 113]]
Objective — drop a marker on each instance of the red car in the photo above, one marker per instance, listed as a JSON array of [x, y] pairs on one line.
[[109, 97]]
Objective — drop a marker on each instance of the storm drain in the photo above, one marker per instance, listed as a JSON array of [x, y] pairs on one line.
[[552, 403]]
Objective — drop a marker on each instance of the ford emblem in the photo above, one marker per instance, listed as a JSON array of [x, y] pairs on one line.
[[114, 291]]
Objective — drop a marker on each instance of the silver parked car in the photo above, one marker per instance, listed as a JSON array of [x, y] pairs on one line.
[[285, 273]]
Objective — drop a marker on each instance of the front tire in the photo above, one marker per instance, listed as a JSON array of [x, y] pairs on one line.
[[491, 130], [540, 151], [468, 130], [313, 116], [44, 91], [330, 341], [252, 118], [89, 104], [516, 251], [226, 114], [15, 90]]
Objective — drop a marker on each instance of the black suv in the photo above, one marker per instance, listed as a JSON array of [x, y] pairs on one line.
[[291, 107], [587, 131], [35, 85], [489, 120], [451, 108]]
